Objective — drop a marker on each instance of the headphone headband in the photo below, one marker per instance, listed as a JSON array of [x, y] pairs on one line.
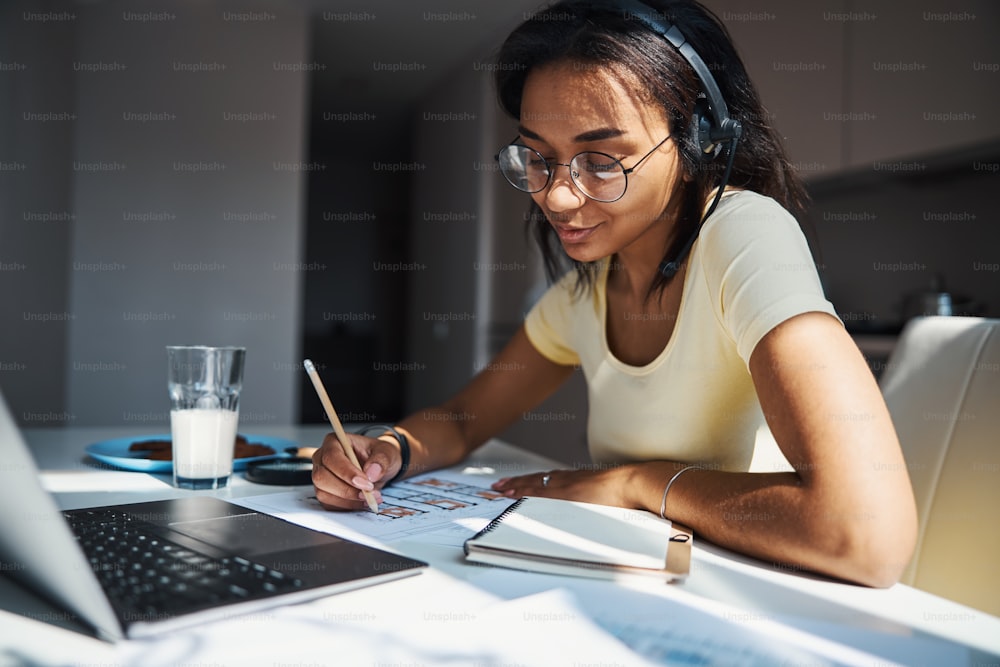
[[708, 132], [723, 127]]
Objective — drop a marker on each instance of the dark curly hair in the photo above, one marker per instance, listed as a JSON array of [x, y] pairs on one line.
[[600, 34]]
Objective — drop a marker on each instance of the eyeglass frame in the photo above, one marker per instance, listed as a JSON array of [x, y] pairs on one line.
[[550, 168]]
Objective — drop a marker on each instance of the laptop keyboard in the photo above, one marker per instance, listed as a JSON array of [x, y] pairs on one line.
[[147, 577]]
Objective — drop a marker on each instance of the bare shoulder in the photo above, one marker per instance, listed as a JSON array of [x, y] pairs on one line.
[[811, 378]]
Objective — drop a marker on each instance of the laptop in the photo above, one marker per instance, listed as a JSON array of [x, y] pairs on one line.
[[136, 570]]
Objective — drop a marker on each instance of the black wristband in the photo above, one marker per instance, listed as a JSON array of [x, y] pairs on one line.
[[404, 446]]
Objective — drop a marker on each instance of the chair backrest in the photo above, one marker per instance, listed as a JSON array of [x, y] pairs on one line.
[[942, 387]]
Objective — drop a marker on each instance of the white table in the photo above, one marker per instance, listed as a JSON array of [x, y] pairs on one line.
[[457, 613]]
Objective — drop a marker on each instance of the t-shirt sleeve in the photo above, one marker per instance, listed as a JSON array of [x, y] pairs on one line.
[[549, 323], [759, 269]]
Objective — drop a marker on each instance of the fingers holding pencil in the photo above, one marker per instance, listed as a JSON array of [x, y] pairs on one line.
[[341, 435], [339, 483]]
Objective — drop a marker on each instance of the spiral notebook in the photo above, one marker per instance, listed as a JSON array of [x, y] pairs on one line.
[[582, 539]]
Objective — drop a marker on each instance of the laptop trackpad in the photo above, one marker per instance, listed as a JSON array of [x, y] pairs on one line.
[[252, 534]]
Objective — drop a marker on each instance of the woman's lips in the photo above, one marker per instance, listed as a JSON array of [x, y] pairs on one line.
[[575, 234]]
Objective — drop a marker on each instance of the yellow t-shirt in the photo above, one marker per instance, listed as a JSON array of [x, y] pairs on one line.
[[749, 270]]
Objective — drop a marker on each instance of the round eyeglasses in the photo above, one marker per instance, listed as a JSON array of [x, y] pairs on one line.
[[597, 175]]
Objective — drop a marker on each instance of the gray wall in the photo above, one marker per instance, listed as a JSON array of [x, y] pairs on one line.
[[452, 134], [35, 212], [851, 83], [186, 138]]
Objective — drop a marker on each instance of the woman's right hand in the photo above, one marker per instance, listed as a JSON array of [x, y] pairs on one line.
[[340, 484], [517, 380]]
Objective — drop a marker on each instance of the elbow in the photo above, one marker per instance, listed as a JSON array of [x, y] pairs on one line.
[[876, 549], [880, 568]]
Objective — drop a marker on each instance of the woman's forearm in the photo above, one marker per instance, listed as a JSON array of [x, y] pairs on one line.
[[778, 518], [438, 438]]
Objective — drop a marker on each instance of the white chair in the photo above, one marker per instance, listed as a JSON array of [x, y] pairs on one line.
[[942, 387]]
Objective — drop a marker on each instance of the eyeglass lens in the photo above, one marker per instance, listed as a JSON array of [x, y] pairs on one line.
[[597, 175]]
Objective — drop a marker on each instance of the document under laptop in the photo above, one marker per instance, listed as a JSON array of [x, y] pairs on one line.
[[140, 569]]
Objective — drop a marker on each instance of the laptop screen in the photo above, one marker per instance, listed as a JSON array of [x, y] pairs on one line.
[[37, 547]]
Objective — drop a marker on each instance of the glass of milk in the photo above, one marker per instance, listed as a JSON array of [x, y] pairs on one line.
[[204, 384]]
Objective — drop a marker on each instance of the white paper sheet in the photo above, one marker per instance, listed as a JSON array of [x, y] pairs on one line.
[[442, 507]]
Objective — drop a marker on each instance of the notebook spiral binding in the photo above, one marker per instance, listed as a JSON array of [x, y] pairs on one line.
[[497, 521]]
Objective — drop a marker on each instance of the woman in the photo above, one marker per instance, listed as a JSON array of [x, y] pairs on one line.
[[693, 307]]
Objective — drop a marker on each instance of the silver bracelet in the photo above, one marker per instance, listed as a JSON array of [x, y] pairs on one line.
[[663, 503]]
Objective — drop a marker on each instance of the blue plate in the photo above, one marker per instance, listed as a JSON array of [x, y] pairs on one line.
[[116, 453]]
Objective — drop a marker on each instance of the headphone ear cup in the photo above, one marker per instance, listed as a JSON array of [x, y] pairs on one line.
[[701, 130]]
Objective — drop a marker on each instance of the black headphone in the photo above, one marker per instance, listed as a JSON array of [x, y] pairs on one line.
[[711, 124]]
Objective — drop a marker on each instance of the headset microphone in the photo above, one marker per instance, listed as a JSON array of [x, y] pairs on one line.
[[669, 269]]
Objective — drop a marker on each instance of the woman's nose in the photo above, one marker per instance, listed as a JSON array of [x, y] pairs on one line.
[[562, 193]]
